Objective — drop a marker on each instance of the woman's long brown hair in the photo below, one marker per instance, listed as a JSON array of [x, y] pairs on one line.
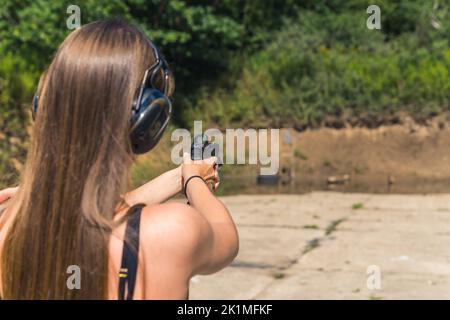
[[77, 165]]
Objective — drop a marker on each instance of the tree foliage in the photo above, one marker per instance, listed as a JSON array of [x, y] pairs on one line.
[[248, 62]]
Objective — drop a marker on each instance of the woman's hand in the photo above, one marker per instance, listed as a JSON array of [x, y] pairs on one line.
[[207, 169], [8, 193], [172, 182]]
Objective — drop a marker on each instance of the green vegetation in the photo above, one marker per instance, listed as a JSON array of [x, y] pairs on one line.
[[311, 226], [251, 63], [358, 205], [300, 155], [15, 83], [311, 245], [329, 65], [278, 275], [332, 227]]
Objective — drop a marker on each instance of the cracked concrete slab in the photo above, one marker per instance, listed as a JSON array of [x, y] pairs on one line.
[[319, 246]]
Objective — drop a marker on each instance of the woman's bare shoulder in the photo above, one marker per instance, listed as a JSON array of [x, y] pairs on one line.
[[176, 228], [172, 214]]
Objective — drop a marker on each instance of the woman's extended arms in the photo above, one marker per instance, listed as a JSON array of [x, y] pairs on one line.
[[155, 191]]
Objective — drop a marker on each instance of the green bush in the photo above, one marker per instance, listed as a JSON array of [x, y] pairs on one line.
[[322, 65], [16, 91]]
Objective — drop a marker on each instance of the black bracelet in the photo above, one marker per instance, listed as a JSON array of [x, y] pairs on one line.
[[189, 179]]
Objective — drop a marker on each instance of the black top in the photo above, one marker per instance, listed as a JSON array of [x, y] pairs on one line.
[[128, 268]]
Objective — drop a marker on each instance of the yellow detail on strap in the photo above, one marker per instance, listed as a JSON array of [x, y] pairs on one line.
[[123, 273]]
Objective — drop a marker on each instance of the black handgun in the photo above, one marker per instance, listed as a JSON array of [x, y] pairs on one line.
[[202, 148]]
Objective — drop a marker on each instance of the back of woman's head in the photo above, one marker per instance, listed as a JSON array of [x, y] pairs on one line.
[[77, 165]]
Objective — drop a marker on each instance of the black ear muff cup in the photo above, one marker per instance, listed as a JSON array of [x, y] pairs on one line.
[[34, 106], [150, 120]]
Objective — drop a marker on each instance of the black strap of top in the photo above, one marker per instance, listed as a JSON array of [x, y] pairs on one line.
[[128, 268]]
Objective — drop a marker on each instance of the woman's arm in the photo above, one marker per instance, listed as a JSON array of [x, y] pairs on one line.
[[180, 241], [219, 243], [7, 193], [157, 190]]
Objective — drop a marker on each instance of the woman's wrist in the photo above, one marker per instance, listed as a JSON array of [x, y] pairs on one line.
[[197, 190], [186, 183]]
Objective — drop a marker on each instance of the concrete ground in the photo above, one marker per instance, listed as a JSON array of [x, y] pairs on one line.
[[329, 245]]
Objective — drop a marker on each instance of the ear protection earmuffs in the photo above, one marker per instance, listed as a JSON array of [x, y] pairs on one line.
[[151, 109]]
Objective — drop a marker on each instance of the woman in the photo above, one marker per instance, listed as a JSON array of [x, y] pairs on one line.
[[69, 210]]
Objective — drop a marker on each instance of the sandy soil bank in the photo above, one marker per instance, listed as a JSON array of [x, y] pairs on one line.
[[402, 157]]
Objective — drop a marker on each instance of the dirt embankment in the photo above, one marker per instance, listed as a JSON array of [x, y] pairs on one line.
[[402, 154], [406, 157]]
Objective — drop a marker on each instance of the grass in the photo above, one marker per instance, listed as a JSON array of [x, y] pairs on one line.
[[278, 275], [360, 170], [357, 206], [311, 245], [327, 163], [298, 154], [311, 226], [333, 226]]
